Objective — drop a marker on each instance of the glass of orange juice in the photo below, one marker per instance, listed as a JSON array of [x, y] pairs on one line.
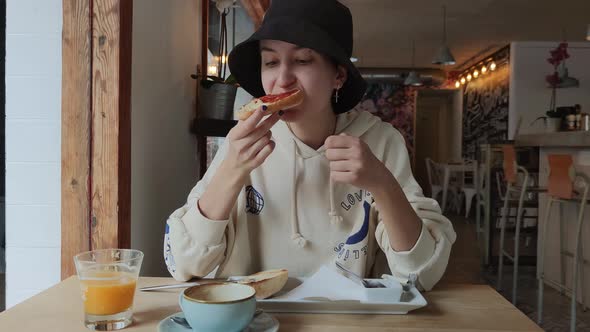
[[108, 278]]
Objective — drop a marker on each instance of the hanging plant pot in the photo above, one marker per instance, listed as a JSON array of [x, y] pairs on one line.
[[553, 125], [217, 94], [216, 100]]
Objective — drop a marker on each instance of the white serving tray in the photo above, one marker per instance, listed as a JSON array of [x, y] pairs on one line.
[[324, 306]]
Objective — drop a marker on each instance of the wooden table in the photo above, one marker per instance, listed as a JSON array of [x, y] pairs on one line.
[[450, 308]]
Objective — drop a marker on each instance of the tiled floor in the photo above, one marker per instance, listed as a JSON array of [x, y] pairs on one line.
[[464, 266]]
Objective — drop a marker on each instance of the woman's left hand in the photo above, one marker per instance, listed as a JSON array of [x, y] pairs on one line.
[[353, 162]]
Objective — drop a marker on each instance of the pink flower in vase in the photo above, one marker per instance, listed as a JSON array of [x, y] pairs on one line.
[[552, 79]]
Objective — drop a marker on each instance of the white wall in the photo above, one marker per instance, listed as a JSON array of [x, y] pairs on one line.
[[166, 50], [529, 94], [33, 146]]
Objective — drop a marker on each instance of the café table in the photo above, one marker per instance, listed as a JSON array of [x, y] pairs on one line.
[[451, 307]]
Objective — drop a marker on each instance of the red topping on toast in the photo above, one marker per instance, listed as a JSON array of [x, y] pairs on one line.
[[273, 98]]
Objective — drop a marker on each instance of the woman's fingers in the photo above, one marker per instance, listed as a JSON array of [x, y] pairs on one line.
[[264, 152], [340, 141], [263, 128], [338, 154], [244, 128], [340, 166], [255, 148]]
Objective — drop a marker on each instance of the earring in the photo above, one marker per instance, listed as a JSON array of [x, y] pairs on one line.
[[336, 95]]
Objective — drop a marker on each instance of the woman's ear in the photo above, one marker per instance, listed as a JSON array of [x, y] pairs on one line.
[[341, 76]]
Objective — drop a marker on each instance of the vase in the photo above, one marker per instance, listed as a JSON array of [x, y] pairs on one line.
[[217, 101], [552, 125]]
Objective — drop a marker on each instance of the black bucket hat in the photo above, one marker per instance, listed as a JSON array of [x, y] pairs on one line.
[[322, 25]]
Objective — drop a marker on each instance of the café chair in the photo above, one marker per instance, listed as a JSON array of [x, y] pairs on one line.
[[562, 184]]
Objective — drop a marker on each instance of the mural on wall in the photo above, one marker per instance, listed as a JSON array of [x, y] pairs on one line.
[[394, 104], [485, 109]]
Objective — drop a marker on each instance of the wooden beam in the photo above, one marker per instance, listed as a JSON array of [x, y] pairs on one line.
[[204, 37], [76, 100], [96, 127], [201, 73], [111, 124]]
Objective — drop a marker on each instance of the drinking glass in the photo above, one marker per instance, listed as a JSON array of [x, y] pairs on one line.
[[108, 279]]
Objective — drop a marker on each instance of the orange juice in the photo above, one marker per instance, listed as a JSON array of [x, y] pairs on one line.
[[107, 293]]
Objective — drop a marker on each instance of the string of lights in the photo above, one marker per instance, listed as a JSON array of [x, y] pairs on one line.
[[483, 67]]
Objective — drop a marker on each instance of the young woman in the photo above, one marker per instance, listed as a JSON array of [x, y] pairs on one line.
[[312, 184]]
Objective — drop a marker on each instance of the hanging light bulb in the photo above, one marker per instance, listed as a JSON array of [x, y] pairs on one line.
[[212, 70], [468, 77], [493, 66], [484, 70], [457, 84], [475, 73], [462, 80]]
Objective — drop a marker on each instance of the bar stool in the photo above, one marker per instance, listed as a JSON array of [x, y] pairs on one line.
[[511, 170], [562, 177]]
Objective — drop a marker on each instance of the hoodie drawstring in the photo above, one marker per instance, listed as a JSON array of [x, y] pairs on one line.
[[295, 235], [335, 218]]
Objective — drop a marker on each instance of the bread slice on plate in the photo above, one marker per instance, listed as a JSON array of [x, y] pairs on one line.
[[267, 283]]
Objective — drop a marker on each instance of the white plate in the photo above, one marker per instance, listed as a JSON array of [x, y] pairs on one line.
[[262, 323], [391, 307]]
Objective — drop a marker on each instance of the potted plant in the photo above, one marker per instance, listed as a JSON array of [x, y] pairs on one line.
[[554, 116], [217, 93], [217, 97], [553, 121]]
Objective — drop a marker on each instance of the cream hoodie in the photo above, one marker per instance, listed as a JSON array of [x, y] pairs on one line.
[[290, 215]]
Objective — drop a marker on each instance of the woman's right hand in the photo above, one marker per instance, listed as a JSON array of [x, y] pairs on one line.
[[250, 143]]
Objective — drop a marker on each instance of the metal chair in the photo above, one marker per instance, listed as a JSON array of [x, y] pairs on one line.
[[511, 170], [468, 189], [561, 189], [434, 179]]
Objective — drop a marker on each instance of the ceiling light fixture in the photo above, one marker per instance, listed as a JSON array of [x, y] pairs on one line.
[[443, 55], [413, 78]]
